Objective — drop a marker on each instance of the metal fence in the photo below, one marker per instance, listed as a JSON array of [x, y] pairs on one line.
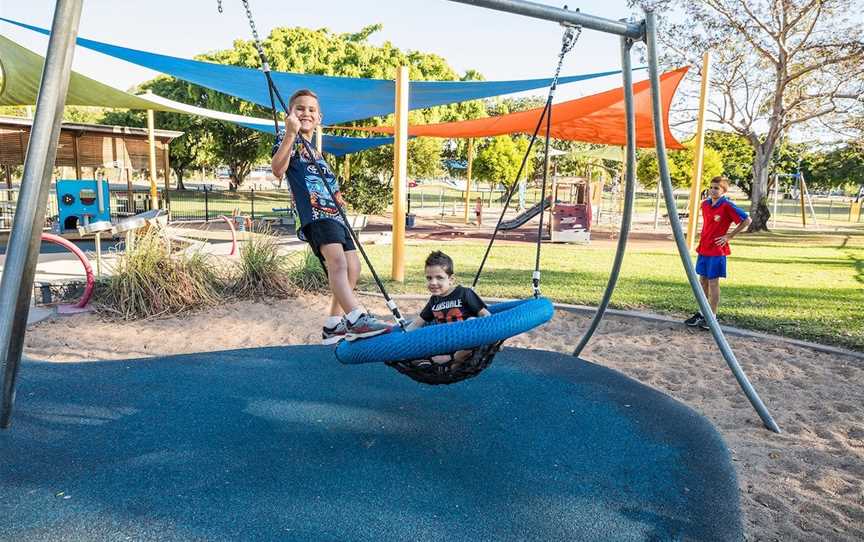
[[206, 204], [8, 202]]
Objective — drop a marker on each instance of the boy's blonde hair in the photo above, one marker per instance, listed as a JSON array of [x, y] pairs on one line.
[[300, 93], [722, 180]]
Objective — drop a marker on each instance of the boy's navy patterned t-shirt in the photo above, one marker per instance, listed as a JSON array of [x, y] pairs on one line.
[[311, 198]]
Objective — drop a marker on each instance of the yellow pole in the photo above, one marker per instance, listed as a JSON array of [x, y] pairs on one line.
[[151, 140], [400, 174], [698, 150], [468, 178]]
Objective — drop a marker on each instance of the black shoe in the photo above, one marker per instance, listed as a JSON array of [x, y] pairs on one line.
[[694, 320]]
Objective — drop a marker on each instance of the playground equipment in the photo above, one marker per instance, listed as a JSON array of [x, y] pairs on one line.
[[18, 278], [80, 202], [88, 272], [571, 213], [524, 217], [803, 192]]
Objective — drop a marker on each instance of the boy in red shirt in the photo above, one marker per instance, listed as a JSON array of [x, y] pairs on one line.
[[718, 214]]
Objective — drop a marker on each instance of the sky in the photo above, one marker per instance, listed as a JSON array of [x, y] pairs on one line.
[[499, 45]]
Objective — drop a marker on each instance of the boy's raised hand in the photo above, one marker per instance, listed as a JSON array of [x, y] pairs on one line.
[[292, 124]]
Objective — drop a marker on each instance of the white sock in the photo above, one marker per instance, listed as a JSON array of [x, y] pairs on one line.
[[354, 315], [332, 321]]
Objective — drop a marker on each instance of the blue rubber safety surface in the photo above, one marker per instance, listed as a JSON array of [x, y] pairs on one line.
[[287, 444]]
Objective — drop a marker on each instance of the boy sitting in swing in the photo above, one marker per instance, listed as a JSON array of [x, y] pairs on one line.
[[450, 302]]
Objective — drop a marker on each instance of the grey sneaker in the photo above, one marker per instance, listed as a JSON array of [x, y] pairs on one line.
[[367, 326], [332, 335]]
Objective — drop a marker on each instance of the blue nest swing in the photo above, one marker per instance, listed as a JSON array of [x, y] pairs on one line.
[[411, 353]]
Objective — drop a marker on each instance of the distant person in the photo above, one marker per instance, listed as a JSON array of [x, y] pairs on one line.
[[478, 211], [321, 223], [449, 303], [718, 214]]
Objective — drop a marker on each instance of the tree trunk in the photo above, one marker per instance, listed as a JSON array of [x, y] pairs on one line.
[[180, 185], [759, 211]]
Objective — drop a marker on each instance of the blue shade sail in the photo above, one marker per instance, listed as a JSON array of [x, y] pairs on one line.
[[343, 99]]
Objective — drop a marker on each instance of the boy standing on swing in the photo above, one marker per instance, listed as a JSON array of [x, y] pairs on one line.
[[718, 214], [321, 223]]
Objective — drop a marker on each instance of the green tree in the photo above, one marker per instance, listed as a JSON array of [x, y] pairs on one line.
[[499, 158], [735, 153], [680, 167], [839, 167], [321, 51], [778, 65]]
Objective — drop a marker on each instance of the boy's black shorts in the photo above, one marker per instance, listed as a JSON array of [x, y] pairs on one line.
[[327, 232]]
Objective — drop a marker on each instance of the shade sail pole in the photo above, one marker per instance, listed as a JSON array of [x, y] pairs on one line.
[[722, 343], [20, 267], [629, 195], [400, 174]]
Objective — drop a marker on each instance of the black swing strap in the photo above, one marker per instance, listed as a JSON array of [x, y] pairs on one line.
[[274, 91]]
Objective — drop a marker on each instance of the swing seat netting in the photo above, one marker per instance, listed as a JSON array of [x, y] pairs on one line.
[[410, 353]]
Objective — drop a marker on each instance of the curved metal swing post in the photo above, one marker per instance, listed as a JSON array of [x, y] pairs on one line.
[[17, 283], [683, 251], [629, 193]]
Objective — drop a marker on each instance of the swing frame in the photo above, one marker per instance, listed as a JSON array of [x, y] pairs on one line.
[[17, 281]]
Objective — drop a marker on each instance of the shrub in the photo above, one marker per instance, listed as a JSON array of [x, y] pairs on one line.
[[150, 281], [306, 273], [262, 271]]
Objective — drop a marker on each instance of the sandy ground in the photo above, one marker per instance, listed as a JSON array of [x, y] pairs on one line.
[[805, 484]]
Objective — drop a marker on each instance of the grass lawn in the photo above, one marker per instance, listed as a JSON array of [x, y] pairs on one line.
[[793, 283]]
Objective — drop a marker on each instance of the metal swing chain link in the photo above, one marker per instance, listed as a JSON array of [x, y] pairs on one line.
[[265, 66]]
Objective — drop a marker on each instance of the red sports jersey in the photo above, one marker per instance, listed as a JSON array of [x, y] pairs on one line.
[[716, 220]]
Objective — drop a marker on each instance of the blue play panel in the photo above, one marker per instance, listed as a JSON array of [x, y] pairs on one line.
[[287, 444]]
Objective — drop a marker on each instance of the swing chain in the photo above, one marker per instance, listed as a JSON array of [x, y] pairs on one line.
[[568, 41], [572, 33], [265, 66]]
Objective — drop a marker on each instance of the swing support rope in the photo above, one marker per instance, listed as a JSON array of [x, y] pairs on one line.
[[274, 93]]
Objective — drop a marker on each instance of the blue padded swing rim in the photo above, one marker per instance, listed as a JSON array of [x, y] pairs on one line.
[[508, 319]]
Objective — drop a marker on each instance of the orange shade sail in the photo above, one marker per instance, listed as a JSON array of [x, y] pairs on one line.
[[598, 118]]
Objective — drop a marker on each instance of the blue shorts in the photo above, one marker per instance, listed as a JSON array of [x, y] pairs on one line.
[[711, 267]]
